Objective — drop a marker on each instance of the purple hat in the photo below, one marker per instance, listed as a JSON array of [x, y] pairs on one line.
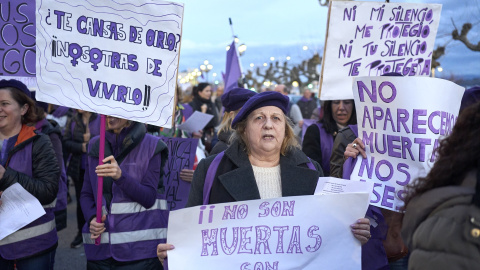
[[471, 96], [40, 104], [264, 99], [15, 84], [235, 98]]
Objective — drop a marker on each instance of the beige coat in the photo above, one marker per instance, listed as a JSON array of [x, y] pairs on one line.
[[439, 230]]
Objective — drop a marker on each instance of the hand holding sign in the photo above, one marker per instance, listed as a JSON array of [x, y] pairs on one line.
[[96, 228], [354, 149]]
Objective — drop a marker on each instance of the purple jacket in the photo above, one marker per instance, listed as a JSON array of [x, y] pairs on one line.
[[41, 234], [137, 213]]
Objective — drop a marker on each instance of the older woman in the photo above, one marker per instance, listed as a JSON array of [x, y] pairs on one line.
[[263, 161], [232, 102], [318, 139], [27, 158], [134, 217]]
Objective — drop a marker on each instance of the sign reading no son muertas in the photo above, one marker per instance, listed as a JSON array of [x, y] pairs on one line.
[[401, 121], [118, 58], [373, 38], [301, 232]]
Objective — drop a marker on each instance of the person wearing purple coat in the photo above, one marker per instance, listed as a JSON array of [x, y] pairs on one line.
[[134, 216], [27, 158]]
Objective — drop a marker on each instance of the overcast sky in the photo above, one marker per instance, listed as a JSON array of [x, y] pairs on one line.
[[280, 28]]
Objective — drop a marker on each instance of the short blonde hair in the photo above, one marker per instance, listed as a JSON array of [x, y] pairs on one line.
[[289, 143]]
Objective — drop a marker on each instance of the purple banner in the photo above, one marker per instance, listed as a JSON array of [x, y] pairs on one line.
[[181, 155], [17, 38]]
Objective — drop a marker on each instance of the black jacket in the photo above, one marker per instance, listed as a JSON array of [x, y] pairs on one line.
[[72, 143], [222, 143], [235, 181], [46, 173]]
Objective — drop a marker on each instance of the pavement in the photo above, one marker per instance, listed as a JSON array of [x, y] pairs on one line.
[[68, 258]]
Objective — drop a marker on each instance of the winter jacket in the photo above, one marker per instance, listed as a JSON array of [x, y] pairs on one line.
[[136, 212], [52, 129], [32, 164], [222, 143], [441, 228]]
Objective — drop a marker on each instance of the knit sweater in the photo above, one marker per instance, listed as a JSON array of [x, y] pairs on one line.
[[268, 181]]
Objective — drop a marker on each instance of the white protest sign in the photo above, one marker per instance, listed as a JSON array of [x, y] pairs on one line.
[[197, 121], [373, 38], [333, 185], [117, 58], [301, 232], [400, 120]]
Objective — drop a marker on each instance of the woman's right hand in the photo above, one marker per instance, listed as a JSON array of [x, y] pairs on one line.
[[355, 148], [162, 251], [96, 229], [204, 108]]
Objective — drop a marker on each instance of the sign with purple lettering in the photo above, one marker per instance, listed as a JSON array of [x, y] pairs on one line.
[[17, 38], [117, 58], [373, 38], [181, 155], [301, 232], [401, 121]]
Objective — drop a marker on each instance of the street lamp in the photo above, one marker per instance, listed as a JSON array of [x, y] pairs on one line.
[[206, 67], [241, 49]]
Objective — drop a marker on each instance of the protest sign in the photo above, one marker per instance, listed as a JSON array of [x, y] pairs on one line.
[[117, 58], [301, 232], [401, 121], [373, 38], [181, 155], [17, 38]]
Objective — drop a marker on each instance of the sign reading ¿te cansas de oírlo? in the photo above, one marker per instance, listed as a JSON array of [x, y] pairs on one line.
[[401, 120], [118, 58], [301, 232], [373, 38]]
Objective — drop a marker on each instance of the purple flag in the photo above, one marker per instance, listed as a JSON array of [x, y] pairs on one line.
[[233, 72], [17, 38]]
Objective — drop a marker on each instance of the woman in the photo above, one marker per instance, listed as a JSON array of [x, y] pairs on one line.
[[80, 128], [442, 210], [52, 129], [263, 161], [318, 139], [232, 102], [27, 158], [134, 213], [202, 102]]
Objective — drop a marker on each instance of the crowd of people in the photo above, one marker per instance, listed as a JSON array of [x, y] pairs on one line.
[[257, 146]]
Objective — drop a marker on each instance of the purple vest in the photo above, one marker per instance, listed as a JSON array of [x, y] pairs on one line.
[[132, 232], [326, 146], [62, 184], [41, 233]]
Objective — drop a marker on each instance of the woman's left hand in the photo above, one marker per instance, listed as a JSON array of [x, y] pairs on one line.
[[109, 169], [361, 230], [186, 175]]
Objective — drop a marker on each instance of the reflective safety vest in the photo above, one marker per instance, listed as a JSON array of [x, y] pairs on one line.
[[38, 235], [132, 231]]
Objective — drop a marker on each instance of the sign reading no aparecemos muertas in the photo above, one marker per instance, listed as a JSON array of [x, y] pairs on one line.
[[401, 122], [373, 38], [118, 58]]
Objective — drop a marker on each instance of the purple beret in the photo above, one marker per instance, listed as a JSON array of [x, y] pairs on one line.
[[471, 96], [235, 98], [264, 99], [15, 84], [40, 104]]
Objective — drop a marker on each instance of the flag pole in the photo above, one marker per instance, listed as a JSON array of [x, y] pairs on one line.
[[236, 51], [101, 156]]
